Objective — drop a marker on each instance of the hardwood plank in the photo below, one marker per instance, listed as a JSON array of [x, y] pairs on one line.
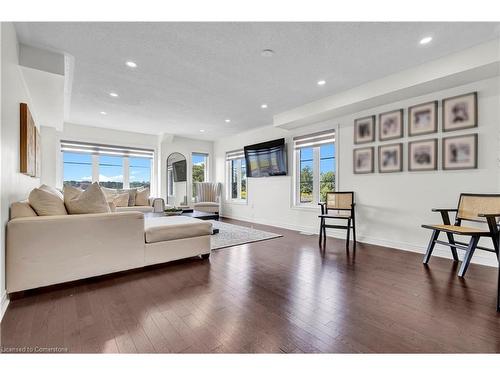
[[284, 295]]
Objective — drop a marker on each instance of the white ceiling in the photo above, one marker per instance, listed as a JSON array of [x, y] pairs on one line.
[[192, 76]]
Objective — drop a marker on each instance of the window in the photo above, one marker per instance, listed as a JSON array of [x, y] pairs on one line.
[[314, 167], [199, 169], [236, 176], [77, 169], [306, 175], [139, 172], [111, 171], [112, 166]]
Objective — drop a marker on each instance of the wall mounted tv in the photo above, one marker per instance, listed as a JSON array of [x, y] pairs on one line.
[[180, 171], [266, 159]]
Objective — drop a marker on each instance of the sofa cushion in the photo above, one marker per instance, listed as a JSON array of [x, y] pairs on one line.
[[170, 228], [21, 209], [135, 208], [111, 194], [46, 202], [89, 201], [142, 197], [121, 199], [212, 207]]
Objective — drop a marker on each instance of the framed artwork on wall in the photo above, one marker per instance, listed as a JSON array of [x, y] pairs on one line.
[[390, 125], [364, 130], [27, 149], [460, 152], [422, 155], [363, 160], [460, 112], [422, 119], [390, 158]]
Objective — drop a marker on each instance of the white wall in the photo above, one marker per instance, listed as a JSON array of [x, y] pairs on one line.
[[51, 155], [390, 207], [163, 146], [14, 185], [185, 146]]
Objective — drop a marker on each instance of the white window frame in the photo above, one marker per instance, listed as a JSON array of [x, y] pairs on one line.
[[95, 166], [206, 177], [239, 177], [316, 174]]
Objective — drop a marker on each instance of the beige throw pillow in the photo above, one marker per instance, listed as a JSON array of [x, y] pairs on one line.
[[142, 197], [46, 202], [121, 199], [109, 193], [89, 201]]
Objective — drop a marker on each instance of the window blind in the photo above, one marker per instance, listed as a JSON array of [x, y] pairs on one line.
[[100, 149], [236, 154], [314, 139]]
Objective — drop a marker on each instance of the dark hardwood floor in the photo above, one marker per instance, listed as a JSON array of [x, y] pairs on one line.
[[281, 295]]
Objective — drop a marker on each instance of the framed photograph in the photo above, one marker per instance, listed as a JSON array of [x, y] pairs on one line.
[[390, 125], [27, 149], [390, 158], [363, 160], [460, 152], [422, 155], [364, 130], [460, 112], [422, 119]]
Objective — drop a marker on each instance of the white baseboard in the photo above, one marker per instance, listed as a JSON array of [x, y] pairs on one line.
[[480, 257], [3, 305]]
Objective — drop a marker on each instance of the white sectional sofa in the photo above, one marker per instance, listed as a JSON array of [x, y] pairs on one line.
[[47, 250]]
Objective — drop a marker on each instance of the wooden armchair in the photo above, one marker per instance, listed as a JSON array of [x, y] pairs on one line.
[[481, 208], [338, 205]]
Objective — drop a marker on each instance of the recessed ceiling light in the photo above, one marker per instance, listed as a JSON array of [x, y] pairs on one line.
[[131, 64], [113, 94], [227, 120], [104, 113], [202, 131], [321, 82], [267, 52], [263, 106], [426, 40]]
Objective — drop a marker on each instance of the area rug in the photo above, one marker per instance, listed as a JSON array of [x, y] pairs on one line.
[[232, 235]]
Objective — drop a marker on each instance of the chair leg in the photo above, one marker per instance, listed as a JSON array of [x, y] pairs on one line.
[[321, 221], [498, 290], [468, 256], [451, 240], [430, 246], [324, 233], [348, 233], [354, 231]]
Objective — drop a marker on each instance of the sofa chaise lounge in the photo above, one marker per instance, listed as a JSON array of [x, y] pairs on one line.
[[47, 250]]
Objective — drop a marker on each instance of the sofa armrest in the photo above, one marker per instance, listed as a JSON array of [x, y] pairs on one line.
[[47, 250], [158, 204]]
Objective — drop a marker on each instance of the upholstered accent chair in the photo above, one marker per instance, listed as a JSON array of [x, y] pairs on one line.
[[340, 206], [207, 197]]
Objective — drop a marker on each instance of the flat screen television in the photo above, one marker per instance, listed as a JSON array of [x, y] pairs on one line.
[[266, 159], [179, 171]]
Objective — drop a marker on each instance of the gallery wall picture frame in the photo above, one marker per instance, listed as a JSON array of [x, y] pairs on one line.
[[364, 130], [390, 158], [423, 119], [27, 146], [460, 152], [423, 155], [363, 160], [460, 112], [390, 125]]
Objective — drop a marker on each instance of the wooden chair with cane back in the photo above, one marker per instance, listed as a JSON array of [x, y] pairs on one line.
[[338, 205], [479, 208]]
